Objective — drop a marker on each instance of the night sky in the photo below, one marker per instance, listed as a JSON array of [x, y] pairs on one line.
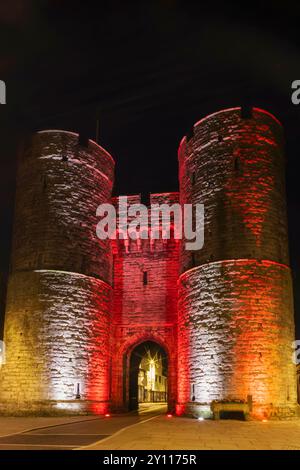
[[148, 70]]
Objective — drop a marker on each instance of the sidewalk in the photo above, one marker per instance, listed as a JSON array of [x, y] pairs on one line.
[[12, 425], [162, 433]]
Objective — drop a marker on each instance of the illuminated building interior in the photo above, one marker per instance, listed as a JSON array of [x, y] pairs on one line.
[[152, 375]]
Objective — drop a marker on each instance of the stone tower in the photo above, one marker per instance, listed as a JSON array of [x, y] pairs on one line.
[[58, 309], [235, 308]]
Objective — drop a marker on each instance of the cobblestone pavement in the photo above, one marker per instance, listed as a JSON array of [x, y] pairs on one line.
[[164, 433]]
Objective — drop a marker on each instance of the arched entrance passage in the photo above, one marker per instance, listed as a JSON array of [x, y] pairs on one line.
[[148, 375]]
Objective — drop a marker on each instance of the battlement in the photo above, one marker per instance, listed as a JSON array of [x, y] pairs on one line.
[[154, 198], [152, 234]]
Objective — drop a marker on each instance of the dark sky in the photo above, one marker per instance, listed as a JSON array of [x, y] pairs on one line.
[[149, 70]]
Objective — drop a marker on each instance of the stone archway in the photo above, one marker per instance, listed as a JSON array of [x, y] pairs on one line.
[[120, 367], [147, 374]]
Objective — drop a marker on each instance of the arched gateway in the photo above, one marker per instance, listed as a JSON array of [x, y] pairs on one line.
[[148, 375]]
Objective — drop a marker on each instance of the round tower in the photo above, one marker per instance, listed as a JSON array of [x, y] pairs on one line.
[[59, 293], [235, 310]]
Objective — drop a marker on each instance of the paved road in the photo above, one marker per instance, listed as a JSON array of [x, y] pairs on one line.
[[73, 435]]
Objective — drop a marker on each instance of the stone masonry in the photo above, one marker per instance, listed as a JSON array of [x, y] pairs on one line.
[[78, 306], [235, 311], [58, 311]]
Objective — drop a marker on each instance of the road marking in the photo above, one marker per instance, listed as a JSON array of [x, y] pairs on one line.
[[116, 433]]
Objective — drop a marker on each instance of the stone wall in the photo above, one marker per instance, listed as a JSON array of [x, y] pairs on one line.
[[235, 334], [235, 167], [298, 383], [57, 336], [59, 187]]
